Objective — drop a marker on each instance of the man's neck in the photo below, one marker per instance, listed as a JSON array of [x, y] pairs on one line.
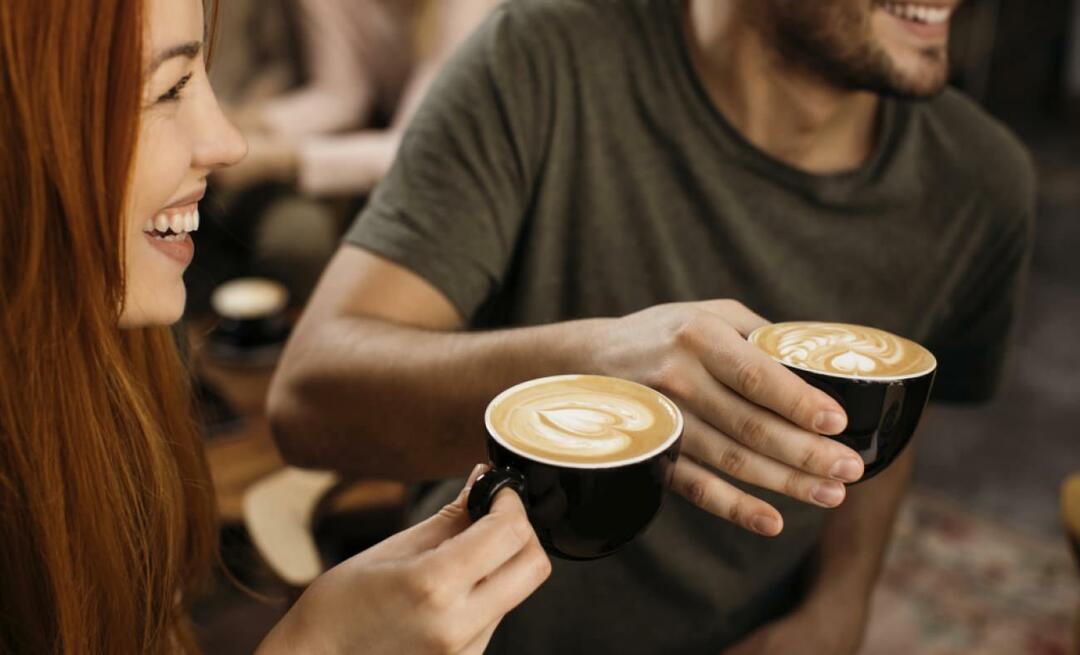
[[790, 113]]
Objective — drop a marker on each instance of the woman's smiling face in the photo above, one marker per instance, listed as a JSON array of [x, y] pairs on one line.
[[183, 136]]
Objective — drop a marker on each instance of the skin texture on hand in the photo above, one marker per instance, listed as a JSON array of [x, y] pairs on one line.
[[439, 587], [746, 415]]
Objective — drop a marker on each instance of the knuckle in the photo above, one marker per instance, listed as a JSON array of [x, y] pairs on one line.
[[793, 485], [732, 460], [808, 459], [671, 379], [737, 513], [689, 332], [749, 377], [754, 432], [518, 526], [697, 492], [425, 589], [801, 408], [540, 565]]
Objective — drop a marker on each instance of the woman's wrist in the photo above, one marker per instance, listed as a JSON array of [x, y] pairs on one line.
[[293, 634]]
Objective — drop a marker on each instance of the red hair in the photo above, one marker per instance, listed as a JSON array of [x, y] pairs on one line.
[[105, 504]]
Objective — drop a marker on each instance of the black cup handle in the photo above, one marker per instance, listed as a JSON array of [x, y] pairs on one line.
[[489, 484]]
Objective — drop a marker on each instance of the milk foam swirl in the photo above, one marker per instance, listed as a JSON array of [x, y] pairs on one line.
[[584, 418], [844, 349]]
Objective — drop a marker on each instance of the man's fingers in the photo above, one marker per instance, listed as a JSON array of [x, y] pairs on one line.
[[716, 496], [764, 432], [719, 451], [755, 376], [486, 545]]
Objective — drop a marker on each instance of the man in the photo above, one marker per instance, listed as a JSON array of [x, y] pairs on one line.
[[619, 182]]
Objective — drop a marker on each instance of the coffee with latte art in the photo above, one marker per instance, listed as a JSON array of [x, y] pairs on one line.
[[583, 419], [844, 350]]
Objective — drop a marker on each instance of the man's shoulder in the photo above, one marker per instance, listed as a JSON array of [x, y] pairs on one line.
[[978, 150], [582, 21], [555, 10]]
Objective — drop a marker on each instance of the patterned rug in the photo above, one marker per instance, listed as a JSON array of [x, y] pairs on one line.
[[958, 584]]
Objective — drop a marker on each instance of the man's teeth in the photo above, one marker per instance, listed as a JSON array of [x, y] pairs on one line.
[[919, 13], [172, 228]]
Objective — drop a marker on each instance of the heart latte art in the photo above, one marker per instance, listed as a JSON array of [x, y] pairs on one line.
[[844, 349], [583, 419]]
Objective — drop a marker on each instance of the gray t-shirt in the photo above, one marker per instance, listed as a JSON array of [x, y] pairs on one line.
[[568, 163]]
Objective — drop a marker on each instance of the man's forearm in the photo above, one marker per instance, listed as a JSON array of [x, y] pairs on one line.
[[376, 398], [853, 544]]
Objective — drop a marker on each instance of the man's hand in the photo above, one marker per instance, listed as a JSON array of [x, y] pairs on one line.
[[746, 415], [820, 632]]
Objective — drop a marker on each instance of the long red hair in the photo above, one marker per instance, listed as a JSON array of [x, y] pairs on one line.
[[106, 510]]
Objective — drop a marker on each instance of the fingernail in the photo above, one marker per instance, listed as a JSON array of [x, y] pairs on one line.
[[829, 422], [829, 494], [766, 525], [477, 470], [847, 469]]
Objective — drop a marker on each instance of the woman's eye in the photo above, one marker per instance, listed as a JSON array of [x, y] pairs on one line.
[[173, 94]]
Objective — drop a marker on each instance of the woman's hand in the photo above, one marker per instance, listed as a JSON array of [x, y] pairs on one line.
[[439, 587]]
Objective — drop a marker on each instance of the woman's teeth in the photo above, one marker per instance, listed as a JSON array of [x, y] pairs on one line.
[[918, 13], [174, 227]]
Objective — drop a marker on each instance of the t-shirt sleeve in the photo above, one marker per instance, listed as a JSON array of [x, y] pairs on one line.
[[451, 207], [973, 351]]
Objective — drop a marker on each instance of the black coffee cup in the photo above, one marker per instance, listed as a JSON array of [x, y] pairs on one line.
[[579, 511], [882, 413], [252, 327]]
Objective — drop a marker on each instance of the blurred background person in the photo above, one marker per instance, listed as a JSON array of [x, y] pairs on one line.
[[322, 90]]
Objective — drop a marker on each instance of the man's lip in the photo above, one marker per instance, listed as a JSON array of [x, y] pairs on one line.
[[190, 199]]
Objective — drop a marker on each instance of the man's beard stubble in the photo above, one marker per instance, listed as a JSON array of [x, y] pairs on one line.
[[833, 40]]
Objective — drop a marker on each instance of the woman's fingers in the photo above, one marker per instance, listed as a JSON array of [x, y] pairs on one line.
[[451, 520], [485, 546], [505, 588]]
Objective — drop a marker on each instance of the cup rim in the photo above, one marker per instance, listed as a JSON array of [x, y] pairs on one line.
[[668, 442], [848, 376]]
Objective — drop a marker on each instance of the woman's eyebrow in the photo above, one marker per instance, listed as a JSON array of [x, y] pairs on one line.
[[190, 50]]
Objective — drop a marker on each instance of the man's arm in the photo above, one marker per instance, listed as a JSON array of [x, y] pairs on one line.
[[379, 380], [832, 618]]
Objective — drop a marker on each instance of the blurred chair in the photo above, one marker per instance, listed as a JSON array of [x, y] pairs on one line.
[[283, 511], [1070, 514]]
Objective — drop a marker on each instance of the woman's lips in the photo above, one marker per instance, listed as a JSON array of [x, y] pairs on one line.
[[180, 249]]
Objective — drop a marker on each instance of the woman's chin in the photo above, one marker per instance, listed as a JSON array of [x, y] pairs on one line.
[[155, 311]]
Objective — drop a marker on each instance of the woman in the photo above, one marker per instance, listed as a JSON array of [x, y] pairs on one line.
[[109, 130]]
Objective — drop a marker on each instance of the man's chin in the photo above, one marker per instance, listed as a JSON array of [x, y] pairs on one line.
[[921, 81]]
